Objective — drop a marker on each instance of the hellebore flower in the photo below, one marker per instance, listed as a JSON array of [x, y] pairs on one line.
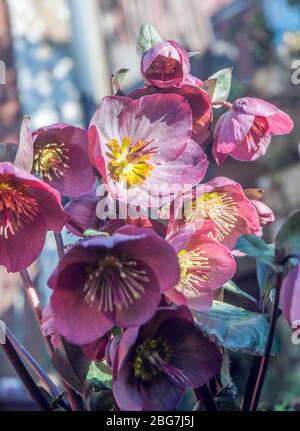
[[290, 296], [61, 159], [245, 131], [165, 65], [222, 206], [28, 209], [154, 364], [205, 265], [199, 102], [265, 214], [140, 146], [106, 281]]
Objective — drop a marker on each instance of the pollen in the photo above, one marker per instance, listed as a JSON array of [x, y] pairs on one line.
[[51, 160], [17, 207], [194, 272], [220, 208], [115, 283], [130, 162]]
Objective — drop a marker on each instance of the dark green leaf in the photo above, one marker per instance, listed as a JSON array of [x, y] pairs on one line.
[[223, 85], [236, 329], [257, 248], [265, 278], [71, 364], [147, 38], [288, 238]]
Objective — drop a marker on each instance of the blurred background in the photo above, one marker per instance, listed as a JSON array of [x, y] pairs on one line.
[[59, 58]]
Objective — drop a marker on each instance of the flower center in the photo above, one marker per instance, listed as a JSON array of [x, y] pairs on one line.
[[153, 358], [163, 65], [130, 162], [218, 207], [51, 159], [194, 272], [17, 207], [256, 132], [114, 284]]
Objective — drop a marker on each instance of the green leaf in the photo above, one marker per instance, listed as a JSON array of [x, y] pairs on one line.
[[230, 286], [100, 371], [288, 238], [257, 248], [71, 364], [236, 329], [117, 80], [147, 38], [223, 85], [209, 86]]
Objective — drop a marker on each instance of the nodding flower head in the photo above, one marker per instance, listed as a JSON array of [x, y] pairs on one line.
[[165, 65], [245, 132], [107, 281], [28, 209], [165, 356], [61, 159]]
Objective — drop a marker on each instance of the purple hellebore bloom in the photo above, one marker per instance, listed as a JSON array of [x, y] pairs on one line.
[[290, 296], [165, 65], [245, 131], [106, 281], [28, 209], [140, 146], [153, 365], [61, 159]]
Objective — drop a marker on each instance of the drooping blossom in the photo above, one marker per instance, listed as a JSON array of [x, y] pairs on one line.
[[93, 351], [165, 65], [106, 281], [205, 265], [290, 296], [143, 148], [199, 102], [245, 131], [28, 209], [265, 214], [61, 159], [222, 206], [154, 364]]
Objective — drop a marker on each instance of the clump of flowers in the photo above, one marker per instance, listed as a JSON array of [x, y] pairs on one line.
[[139, 314]]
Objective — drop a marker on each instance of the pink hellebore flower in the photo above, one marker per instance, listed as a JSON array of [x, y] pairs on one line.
[[61, 159], [245, 131], [205, 265], [106, 281], [290, 296], [153, 365], [143, 148], [165, 65], [222, 207], [28, 209]]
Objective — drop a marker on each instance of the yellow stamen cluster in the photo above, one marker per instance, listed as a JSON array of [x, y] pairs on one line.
[[194, 272], [130, 162], [142, 366], [50, 160]]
